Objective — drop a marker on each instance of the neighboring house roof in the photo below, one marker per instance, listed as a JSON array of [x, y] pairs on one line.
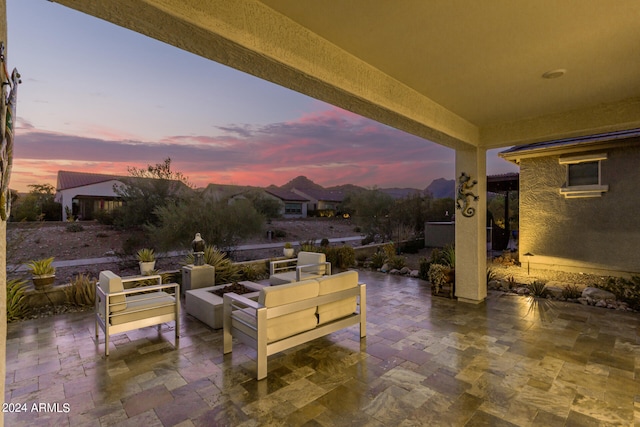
[[68, 179], [286, 195], [324, 195], [514, 153], [503, 182]]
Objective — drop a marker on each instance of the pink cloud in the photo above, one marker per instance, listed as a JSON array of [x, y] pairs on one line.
[[330, 147]]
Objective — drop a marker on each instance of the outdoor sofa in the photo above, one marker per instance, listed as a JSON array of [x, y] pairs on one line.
[[289, 315]]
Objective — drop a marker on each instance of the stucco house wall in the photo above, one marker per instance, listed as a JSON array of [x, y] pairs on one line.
[[590, 234], [100, 189]]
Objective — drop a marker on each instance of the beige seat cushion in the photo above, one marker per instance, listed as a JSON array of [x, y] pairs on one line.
[[294, 323], [110, 283], [144, 306], [337, 282]]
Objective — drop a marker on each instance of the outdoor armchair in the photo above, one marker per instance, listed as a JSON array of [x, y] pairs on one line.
[[308, 265], [119, 310]]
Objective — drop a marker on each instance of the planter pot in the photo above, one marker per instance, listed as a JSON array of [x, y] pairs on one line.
[[146, 267], [451, 275], [288, 252], [43, 281]]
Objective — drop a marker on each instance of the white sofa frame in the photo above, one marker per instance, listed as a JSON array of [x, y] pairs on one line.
[[255, 335], [104, 315]]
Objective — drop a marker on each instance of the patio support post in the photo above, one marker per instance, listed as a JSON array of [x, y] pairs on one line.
[[471, 231]]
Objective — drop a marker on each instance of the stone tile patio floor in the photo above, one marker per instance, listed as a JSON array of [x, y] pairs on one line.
[[426, 361]]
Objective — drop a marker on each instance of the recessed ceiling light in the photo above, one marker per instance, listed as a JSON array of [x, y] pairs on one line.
[[554, 74]]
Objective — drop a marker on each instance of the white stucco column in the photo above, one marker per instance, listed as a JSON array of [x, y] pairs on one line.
[[471, 232]]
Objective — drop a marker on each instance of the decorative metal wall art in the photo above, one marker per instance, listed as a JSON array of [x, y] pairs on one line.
[[8, 100], [463, 200]]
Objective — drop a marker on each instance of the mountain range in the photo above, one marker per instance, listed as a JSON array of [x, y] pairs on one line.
[[438, 189]]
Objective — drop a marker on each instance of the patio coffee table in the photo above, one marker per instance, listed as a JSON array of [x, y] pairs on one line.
[[206, 306]]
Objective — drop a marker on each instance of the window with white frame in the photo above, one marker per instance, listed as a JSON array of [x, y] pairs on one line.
[[584, 177]]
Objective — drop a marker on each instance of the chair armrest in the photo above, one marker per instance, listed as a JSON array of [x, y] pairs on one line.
[[235, 299], [301, 268], [140, 289], [282, 264], [129, 279]]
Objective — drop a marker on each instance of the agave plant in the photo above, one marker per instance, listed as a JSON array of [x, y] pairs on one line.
[[226, 270], [146, 255], [41, 267], [82, 290], [16, 306]]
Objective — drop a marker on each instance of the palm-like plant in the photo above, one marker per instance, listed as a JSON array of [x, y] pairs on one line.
[[41, 267], [146, 255]]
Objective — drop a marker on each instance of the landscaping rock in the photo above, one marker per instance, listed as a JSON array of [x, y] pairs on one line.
[[414, 273], [384, 268], [597, 294], [405, 270], [555, 291]]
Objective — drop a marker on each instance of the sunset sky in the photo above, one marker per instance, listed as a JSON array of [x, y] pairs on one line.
[[98, 98]]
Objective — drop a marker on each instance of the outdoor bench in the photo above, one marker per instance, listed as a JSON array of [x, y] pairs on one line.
[[289, 315]]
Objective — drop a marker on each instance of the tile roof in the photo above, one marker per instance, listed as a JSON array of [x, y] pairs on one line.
[[68, 179], [324, 195], [566, 142], [285, 195]]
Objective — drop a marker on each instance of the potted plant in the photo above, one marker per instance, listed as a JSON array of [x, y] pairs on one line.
[[147, 260], [288, 250], [43, 273]]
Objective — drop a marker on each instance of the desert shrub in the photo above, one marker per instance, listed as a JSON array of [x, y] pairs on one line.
[[253, 272], [423, 268], [413, 246], [16, 305], [146, 191], [368, 240], [449, 256], [132, 243], [571, 291], [309, 246], [538, 289], [331, 254], [103, 216], [346, 257], [491, 274], [81, 291], [438, 275], [445, 256], [361, 257], [324, 242], [397, 262], [389, 250], [279, 233], [220, 223], [74, 227], [627, 290], [225, 270], [378, 259]]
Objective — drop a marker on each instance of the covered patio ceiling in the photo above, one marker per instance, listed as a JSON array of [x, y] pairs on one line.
[[459, 73]]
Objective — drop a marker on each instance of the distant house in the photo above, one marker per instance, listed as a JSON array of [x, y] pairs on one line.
[[321, 202], [83, 194], [579, 203], [294, 205]]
